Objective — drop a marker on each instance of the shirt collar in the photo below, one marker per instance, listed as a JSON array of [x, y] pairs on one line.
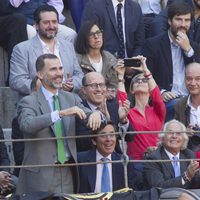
[[92, 106], [189, 103], [48, 95], [99, 156], [170, 155], [45, 46], [171, 40], [115, 3]]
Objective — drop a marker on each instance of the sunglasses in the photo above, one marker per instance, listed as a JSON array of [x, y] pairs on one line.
[[140, 80]]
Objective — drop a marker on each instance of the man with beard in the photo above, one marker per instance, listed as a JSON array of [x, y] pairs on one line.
[[168, 53], [50, 113], [22, 64]]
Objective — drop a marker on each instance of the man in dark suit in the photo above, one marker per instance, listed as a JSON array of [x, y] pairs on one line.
[[173, 146], [168, 53], [50, 113], [90, 180], [105, 13]]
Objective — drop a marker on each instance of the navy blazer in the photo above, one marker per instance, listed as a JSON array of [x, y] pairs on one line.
[[87, 173], [103, 12], [161, 174], [159, 59]]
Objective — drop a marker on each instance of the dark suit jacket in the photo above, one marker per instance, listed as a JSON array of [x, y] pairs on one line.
[[182, 113], [158, 174], [102, 11], [159, 59], [84, 144], [87, 173]]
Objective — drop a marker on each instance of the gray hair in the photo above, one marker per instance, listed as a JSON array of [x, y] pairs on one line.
[[183, 129]]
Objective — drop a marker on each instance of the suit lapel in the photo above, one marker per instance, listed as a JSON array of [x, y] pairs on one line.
[[183, 165], [167, 165], [37, 47], [111, 13], [44, 105], [116, 172], [91, 175], [165, 45]]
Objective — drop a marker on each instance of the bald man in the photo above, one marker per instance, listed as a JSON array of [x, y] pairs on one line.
[[187, 108]]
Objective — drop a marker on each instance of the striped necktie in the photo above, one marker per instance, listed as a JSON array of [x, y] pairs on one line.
[[121, 50], [176, 166]]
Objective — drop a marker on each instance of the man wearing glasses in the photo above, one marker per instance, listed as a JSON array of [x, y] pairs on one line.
[[94, 89]]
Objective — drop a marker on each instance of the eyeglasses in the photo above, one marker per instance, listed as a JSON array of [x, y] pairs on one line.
[[96, 85], [95, 34], [140, 80]]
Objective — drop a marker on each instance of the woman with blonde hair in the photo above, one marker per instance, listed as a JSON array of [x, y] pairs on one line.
[[142, 116]]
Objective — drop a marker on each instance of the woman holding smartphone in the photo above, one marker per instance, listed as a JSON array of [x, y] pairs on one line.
[[142, 116]]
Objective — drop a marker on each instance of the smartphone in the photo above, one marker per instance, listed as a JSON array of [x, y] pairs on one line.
[[132, 62]]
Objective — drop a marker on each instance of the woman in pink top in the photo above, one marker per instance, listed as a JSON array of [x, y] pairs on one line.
[[142, 116]]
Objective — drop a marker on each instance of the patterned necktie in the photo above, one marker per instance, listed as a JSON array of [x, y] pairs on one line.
[[176, 166], [61, 150], [121, 51], [105, 179]]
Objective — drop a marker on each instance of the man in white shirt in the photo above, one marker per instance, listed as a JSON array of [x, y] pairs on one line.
[[22, 64]]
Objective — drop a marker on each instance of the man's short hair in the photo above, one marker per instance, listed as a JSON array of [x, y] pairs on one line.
[[40, 60], [180, 8], [103, 125], [42, 9], [183, 129]]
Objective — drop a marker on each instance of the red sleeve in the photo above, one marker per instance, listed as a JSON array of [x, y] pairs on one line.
[[122, 96], [158, 104]]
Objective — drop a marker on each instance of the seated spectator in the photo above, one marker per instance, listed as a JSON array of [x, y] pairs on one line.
[[168, 54], [187, 108], [173, 146], [94, 89], [27, 8], [24, 55], [94, 178], [7, 181], [90, 53], [142, 116]]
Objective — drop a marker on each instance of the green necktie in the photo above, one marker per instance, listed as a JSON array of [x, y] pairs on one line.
[[61, 151]]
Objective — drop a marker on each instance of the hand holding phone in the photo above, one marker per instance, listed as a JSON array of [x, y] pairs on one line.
[[132, 62]]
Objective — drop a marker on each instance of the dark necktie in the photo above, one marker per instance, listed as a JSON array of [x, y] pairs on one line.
[[61, 150], [121, 50], [105, 179], [176, 166]]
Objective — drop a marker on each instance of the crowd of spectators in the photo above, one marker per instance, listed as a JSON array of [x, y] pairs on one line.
[[130, 65]]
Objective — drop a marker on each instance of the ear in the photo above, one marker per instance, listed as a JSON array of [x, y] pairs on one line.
[[169, 22], [36, 26], [39, 75]]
